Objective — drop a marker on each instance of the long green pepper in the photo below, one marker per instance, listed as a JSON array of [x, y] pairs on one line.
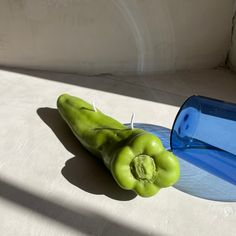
[[136, 158]]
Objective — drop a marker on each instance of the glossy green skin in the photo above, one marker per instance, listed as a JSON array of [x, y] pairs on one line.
[[136, 158]]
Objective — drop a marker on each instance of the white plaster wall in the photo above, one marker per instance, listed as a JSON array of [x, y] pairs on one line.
[[114, 36]]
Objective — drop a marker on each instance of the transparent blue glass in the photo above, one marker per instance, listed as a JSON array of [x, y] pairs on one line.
[[203, 137], [204, 134]]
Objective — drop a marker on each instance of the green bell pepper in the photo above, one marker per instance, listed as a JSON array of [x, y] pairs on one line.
[[136, 158]]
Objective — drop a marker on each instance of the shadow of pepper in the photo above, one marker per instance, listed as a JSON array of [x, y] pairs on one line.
[[83, 170]]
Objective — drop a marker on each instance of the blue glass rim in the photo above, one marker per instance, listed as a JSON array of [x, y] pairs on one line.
[[182, 106], [177, 116]]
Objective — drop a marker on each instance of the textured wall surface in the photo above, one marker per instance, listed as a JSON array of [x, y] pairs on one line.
[[232, 51], [114, 36]]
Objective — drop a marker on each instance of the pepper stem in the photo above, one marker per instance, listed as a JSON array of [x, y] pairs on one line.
[[132, 120], [94, 107], [143, 167]]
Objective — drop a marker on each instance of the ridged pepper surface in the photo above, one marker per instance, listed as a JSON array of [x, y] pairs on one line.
[[137, 159]]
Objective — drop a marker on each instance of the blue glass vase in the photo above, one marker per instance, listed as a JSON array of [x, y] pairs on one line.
[[204, 133], [203, 137]]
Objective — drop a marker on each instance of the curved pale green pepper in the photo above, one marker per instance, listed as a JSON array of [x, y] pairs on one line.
[[136, 158]]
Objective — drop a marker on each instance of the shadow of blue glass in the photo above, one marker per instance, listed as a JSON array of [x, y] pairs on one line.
[[194, 179]]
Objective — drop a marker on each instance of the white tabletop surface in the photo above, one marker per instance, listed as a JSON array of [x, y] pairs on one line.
[[50, 186]]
